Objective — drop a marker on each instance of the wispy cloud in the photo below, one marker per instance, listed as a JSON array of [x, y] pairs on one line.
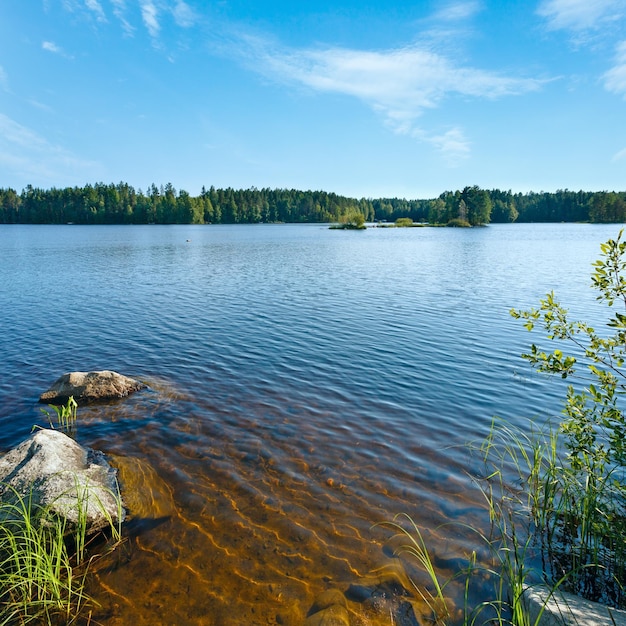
[[399, 84], [50, 46], [26, 154], [453, 146], [458, 11], [580, 15], [96, 8], [119, 10], [88, 9], [152, 12], [17, 135], [40, 105], [150, 16], [184, 15], [615, 78]]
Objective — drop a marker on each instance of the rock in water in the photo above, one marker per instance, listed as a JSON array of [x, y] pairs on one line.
[[58, 473], [90, 387], [329, 609]]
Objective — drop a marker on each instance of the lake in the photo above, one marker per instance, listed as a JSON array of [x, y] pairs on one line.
[[305, 385]]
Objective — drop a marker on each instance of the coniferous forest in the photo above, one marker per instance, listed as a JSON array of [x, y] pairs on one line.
[[122, 204]]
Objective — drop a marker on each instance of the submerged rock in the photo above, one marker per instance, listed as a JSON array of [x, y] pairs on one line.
[[329, 609], [55, 472], [384, 598], [90, 387], [147, 497]]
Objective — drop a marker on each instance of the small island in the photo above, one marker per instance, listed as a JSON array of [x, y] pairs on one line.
[[353, 220]]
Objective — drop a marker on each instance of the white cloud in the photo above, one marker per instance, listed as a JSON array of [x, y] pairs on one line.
[[400, 84], [458, 11], [119, 10], [86, 8], [95, 7], [615, 78], [183, 14], [453, 145], [580, 14], [150, 16], [50, 46], [26, 154]]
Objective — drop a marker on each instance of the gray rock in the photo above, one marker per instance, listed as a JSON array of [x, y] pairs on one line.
[[58, 473], [90, 387], [566, 609]]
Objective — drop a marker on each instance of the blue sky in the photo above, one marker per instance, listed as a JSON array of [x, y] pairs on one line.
[[365, 98]]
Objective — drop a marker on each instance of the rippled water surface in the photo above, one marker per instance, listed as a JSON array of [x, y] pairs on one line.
[[305, 384]]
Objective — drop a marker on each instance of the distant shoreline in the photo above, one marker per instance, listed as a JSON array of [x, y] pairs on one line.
[[121, 204]]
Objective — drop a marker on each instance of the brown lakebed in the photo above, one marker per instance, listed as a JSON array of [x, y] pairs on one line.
[[221, 535]]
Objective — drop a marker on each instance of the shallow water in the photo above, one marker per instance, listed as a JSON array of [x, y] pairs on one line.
[[306, 384]]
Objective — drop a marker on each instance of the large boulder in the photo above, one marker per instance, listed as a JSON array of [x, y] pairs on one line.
[[90, 387], [57, 473]]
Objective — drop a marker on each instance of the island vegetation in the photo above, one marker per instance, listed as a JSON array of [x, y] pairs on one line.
[[353, 220], [120, 203]]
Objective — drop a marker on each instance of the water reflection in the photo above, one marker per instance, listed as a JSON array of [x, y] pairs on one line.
[[306, 385]]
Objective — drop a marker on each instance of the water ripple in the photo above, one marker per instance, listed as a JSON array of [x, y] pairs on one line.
[[305, 384]]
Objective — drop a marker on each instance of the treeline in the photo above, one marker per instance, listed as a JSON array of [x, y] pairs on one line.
[[122, 204]]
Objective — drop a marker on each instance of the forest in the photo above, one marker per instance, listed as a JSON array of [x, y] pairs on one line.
[[121, 204]]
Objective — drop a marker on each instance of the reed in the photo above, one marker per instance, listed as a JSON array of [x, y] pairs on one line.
[[572, 510], [65, 417], [548, 527], [411, 543], [507, 569]]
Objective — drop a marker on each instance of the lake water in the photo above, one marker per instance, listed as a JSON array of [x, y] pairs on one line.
[[305, 384]]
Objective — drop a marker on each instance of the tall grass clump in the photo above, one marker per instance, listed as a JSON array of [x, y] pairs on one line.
[[44, 562], [40, 580], [412, 544], [556, 493], [502, 575]]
